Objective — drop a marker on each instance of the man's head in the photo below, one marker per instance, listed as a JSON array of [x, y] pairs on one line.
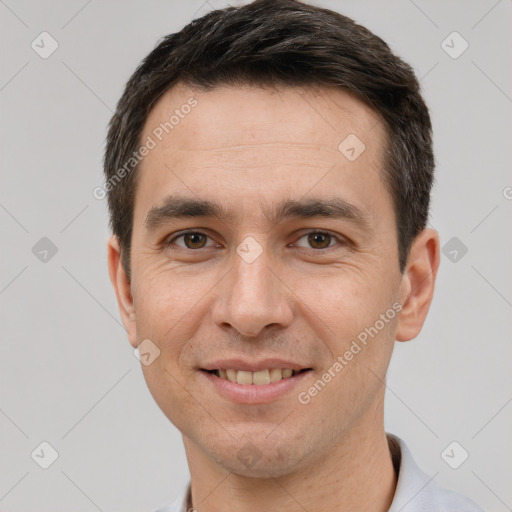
[[286, 43], [277, 212]]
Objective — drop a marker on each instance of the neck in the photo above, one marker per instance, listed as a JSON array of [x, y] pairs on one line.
[[356, 474]]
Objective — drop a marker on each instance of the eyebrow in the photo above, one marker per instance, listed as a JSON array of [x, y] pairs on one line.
[[179, 207]]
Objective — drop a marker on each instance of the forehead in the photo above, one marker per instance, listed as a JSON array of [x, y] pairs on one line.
[[225, 116], [267, 140]]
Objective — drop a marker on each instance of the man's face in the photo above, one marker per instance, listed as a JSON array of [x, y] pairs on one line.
[[252, 286]]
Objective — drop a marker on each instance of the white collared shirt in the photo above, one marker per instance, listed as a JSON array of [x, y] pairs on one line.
[[415, 491]]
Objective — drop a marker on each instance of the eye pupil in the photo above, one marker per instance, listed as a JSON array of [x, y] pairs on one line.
[[194, 239], [315, 238]]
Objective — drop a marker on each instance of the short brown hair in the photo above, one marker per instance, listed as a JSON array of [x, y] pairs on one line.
[[282, 42]]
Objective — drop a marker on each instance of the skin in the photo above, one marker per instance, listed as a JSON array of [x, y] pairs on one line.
[[249, 148]]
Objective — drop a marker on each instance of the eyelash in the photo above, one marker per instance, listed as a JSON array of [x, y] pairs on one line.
[[337, 238]]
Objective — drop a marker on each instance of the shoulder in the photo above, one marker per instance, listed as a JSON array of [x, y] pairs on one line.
[[440, 499], [417, 492], [451, 501]]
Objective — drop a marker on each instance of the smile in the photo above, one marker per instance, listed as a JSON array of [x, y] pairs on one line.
[[260, 387], [259, 378]]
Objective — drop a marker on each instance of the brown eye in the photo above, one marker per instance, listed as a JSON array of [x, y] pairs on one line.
[[194, 240], [319, 240], [190, 240]]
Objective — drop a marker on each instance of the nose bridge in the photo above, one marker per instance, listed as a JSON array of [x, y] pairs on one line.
[[251, 280], [252, 297]]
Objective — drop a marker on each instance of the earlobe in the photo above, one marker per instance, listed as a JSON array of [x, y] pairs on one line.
[[122, 288], [418, 283]]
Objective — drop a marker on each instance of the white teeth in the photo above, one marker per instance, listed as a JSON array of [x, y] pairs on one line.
[[258, 378], [244, 377], [231, 375], [276, 374]]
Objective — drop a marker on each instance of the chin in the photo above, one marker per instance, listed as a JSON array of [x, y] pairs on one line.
[[260, 458], [264, 468]]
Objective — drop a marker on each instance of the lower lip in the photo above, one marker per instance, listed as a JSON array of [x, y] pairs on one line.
[[253, 393]]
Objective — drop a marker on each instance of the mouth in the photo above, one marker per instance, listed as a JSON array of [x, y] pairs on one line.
[[260, 387], [259, 378]]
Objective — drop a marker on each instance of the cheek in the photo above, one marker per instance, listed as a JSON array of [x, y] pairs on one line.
[[162, 298], [346, 299], [166, 310], [355, 315], [169, 390], [355, 375]]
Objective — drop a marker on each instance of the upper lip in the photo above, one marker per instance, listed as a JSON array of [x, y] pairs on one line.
[[253, 366]]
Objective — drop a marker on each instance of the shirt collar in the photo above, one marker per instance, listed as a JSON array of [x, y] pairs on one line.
[[416, 491]]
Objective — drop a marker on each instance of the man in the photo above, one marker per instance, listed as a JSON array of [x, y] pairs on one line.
[[268, 171]]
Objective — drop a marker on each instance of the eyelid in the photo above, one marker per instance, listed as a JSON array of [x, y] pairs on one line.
[[171, 239], [339, 238]]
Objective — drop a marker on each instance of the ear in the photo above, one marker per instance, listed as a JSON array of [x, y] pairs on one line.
[[122, 287], [418, 282]]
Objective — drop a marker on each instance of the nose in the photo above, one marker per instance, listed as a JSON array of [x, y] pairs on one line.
[[253, 298]]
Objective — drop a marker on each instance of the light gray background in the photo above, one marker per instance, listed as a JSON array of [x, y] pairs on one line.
[[68, 375]]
